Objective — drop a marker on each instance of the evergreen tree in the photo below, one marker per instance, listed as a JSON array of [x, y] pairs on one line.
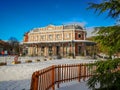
[[108, 38], [107, 73], [112, 6]]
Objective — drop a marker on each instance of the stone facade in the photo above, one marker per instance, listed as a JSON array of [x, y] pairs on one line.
[[52, 40]]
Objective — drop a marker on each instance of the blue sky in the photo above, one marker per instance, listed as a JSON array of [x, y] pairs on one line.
[[20, 16]]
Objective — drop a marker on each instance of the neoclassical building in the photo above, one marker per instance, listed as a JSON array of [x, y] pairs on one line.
[[53, 40]]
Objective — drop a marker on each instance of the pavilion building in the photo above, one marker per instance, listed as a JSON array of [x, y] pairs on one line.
[[61, 40]]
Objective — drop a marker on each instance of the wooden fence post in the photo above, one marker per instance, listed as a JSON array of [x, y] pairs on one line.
[[59, 75], [32, 82], [36, 80], [84, 74], [53, 77], [79, 72]]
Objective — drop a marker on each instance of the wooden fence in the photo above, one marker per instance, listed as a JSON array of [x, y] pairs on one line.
[[47, 78]]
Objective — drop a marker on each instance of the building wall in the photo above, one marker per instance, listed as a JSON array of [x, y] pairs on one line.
[[82, 35], [50, 36], [53, 33], [26, 37], [55, 36]]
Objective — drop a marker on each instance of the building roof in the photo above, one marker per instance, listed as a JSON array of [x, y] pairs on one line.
[[73, 26], [60, 27], [4, 44]]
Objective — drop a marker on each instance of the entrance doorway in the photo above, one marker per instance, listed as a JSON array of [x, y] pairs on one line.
[[79, 50], [50, 50], [57, 50], [42, 51]]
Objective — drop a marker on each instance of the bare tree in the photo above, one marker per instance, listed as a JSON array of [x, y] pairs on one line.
[[14, 43]]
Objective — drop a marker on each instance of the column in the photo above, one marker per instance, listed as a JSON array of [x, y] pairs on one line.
[[74, 49], [32, 50], [54, 50], [29, 50], [61, 50], [46, 51], [84, 49], [70, 47], [38, 50]]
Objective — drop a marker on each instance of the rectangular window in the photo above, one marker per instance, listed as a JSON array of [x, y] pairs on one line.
[[67, 35], [42, 37], [36, 38]]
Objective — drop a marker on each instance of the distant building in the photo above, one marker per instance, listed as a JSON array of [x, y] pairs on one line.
[[4, 46], [61, 40]]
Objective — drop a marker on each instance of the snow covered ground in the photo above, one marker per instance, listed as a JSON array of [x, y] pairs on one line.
[[74, 85], [18, 77]]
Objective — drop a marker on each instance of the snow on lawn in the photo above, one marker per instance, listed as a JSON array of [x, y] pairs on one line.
[[74, 85], [18, 77]]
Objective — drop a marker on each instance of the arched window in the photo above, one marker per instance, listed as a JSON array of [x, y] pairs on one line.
[[79, 35], [50, 37]]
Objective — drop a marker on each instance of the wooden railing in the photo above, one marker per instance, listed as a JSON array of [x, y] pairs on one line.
[[47, 78]]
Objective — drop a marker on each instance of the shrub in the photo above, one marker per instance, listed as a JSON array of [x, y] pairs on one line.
[[59, 57], [16, 62], [3, 63], [28, 61], [71, 55], [45, 59], [37, 60], [107, 75], [50, 58]]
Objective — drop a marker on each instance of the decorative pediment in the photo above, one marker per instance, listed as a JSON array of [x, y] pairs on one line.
[[50, 27]]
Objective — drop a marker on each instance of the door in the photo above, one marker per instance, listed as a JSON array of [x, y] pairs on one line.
[[57, 50], [79, 50], [50, 50]]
